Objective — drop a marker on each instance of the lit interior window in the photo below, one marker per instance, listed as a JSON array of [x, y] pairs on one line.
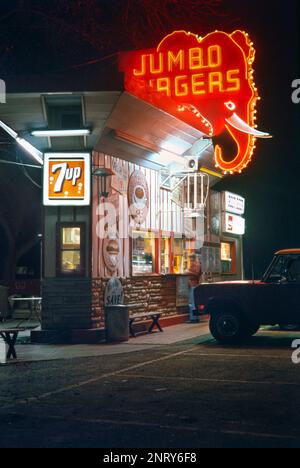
[[178, 256], [226, 257], [165, 254], [143, 253], [184, 256], [71, 250]]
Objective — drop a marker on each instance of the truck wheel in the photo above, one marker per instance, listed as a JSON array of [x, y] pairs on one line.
[[227, 327]]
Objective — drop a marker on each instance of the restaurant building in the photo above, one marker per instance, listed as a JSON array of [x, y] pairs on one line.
[[130, 181]]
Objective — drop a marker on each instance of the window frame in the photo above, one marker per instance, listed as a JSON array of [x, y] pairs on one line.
[[59, 249], [185, 251], [156, 240], [233, 254], [157, 237], [168, 236]]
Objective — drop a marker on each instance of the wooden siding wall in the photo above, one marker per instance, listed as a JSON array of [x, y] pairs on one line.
[[170, 220]]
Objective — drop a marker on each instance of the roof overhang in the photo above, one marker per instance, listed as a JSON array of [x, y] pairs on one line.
[[143, 134]]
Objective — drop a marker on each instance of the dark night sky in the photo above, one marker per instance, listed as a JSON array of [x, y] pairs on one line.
[[271, 183], [46, 47]]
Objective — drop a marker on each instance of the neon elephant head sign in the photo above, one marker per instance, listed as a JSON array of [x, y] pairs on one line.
[[205, 82]]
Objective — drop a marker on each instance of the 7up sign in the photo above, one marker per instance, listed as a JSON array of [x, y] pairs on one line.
[[67, 179]]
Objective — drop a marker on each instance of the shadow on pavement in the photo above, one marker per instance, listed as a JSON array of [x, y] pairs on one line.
[[278, 339]]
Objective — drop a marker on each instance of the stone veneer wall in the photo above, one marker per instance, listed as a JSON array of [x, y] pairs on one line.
[[149, 294], [67, 304]]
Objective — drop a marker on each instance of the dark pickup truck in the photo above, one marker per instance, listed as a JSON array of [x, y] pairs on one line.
[[238, 309]]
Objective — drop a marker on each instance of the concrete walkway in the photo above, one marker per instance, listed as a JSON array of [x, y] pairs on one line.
[[171, 335]]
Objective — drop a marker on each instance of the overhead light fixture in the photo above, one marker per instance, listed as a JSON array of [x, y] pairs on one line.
[[37, 154], [212, 173], [61, 133]]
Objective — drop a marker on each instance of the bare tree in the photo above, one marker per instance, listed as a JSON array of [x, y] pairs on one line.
[[63, 32]]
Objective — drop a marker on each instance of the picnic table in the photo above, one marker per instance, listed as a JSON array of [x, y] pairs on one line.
[[10, 335]]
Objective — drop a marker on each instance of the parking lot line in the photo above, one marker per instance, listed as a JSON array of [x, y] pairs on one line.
[[96, 379], [242, 356], [198, 379], [166, 427]]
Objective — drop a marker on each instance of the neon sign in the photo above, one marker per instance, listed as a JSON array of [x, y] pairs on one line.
[[206, 82]]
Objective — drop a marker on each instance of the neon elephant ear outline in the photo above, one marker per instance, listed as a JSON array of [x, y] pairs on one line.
[[242, 131]]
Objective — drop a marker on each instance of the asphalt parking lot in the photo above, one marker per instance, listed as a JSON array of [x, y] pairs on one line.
[[188, 395]]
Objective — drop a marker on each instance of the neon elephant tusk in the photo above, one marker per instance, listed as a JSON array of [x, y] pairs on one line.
[[236, 122]]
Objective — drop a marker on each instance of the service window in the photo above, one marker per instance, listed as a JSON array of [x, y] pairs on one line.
[[165, 255], [71, 250], [183, 255], [178, 255], [228, 257], [143, 253]]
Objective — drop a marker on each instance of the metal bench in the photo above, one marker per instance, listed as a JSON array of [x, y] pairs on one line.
[[151, 316]]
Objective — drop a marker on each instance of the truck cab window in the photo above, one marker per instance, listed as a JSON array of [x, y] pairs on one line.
[[285, 269]]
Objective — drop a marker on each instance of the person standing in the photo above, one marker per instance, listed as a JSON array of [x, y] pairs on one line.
[[194, 281]]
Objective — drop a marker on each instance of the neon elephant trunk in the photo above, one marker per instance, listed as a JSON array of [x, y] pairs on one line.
[[205, 82]]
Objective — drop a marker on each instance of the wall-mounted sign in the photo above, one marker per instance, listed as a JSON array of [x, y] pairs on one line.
[[67, 179], [206, 82], [120, 178], [233, 224], [233, 203], [112, 253], [114, 293], [138, 197]]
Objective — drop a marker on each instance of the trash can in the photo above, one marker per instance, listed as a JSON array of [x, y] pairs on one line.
[[117, 323], [3, 303]]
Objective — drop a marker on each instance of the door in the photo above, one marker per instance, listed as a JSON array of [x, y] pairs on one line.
[[280, 293], [264, 299], [290, 291]]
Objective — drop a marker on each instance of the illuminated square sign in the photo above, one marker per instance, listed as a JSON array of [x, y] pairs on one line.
[[233, 203], [233, 224], [67, 179]]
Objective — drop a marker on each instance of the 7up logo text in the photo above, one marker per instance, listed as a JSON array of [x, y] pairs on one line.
[[66, 173]]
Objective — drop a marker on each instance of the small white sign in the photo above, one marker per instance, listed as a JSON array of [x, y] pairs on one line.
[[3, 351], [114, 293], [233, 203], [233, 224]]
